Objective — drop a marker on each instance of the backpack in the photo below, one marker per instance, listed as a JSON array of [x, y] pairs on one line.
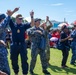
[[59, 45], [42, 45]]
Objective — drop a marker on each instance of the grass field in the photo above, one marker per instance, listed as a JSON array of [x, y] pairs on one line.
[[54, 68]]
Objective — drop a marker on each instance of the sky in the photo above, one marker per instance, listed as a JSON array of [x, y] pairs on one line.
[[55, 9]]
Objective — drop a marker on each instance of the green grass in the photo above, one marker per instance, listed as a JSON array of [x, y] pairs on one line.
[[54, 68]]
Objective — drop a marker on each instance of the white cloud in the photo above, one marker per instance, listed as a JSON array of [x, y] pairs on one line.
[[57, 4]]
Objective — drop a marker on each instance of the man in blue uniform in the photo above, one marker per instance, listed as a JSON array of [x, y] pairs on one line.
[[37, 46], [73, 46], [18, 45], [4, 67]]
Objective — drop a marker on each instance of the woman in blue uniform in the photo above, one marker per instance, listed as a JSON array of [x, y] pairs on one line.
[[4, 67]]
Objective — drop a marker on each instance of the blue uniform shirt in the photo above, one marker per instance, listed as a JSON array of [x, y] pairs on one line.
[[3, 26], [3, 52], [73, 35], [18, 31]]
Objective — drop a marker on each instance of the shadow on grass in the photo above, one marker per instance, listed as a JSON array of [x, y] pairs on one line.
[[70, 70], [47, 74], [34, 74], [55, 68], [60, 70]]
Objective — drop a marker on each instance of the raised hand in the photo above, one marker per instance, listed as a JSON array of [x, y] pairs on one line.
[[47, 18], [16, 9], [10, 13], [32, 13]]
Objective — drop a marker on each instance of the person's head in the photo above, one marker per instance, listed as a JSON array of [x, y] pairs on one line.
[[64, 28], [37, 21], [74, 24], [19, 19], [2, 17]]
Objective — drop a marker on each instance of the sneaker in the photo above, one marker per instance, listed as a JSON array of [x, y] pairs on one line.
[[62, 66], [73, 64], [16, 74], [31, 72], [65, 66], [46, 72]]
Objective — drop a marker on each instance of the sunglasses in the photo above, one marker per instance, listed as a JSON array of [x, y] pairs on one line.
[[20, 18]]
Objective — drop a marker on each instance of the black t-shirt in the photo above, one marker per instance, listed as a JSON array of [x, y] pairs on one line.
[[63, 36]]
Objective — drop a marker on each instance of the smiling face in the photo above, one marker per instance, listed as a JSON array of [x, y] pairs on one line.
[[19, 19], [37, 23]]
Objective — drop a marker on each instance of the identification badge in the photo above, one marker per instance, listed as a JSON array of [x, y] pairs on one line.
[[18, 31]]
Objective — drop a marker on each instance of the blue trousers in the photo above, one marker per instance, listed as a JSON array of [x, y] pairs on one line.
[[73, 53], [4, 66], [17, 49]]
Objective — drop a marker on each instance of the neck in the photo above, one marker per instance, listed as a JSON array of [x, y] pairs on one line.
[[37, 26], [18, 23]]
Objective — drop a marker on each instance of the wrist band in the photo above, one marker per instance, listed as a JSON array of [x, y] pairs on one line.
[[31, 16]]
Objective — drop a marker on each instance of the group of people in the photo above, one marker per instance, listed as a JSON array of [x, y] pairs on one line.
[[37, 33], [67, 42]]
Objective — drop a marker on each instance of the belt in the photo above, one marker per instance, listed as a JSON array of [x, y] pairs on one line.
[[18, 43]]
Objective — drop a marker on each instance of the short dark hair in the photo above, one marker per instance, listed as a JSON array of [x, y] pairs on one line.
[[19, 15], [63, 27]]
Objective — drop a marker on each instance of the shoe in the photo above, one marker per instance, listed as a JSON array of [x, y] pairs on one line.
[[46, 72], [65, 66], [31, 72], [62, 66], [73, 64], [24, 74], [16, 74]]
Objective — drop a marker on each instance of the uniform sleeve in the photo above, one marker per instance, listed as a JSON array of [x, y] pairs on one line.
[[73, 34], [27, 25], [31, 32], [62, 36], [11, 23], [5, 22]]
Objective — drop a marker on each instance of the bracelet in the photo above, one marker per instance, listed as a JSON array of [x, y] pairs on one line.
[[31, 16]]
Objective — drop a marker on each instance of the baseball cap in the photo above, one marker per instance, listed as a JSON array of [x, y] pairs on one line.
[[37, 19], [2, 16]]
